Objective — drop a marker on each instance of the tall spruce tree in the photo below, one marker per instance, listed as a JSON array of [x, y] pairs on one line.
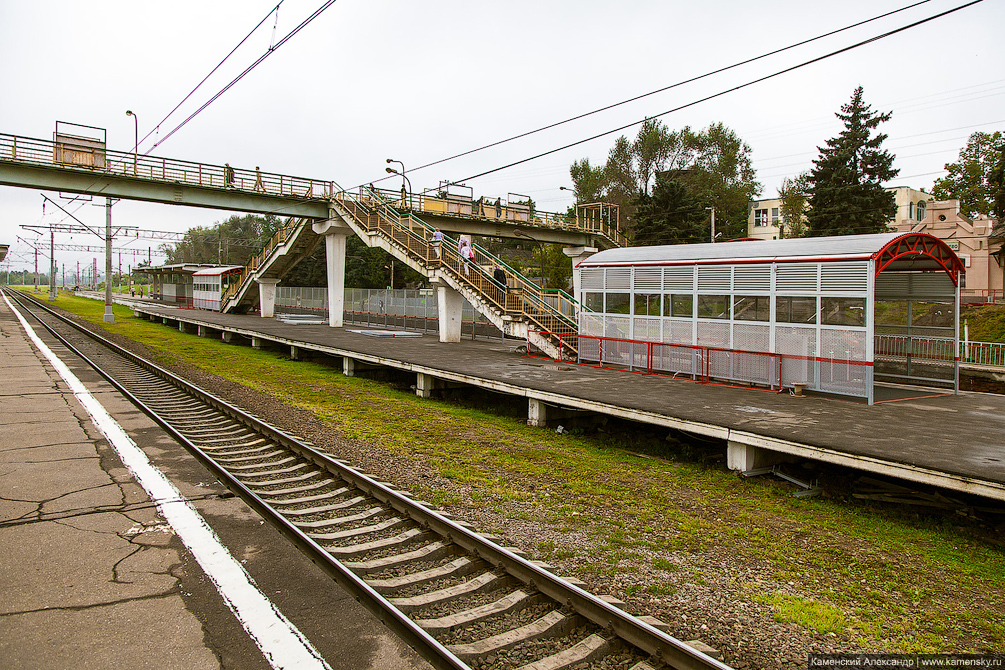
[[846, 183]]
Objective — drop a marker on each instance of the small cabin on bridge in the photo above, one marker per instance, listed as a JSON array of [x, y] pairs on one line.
[[830, 314]]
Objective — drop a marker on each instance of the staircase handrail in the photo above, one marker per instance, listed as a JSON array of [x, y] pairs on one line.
[[527, 291], [257, 260]]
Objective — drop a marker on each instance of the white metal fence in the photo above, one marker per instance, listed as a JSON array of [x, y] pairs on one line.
[[991, 354], [404, 308]]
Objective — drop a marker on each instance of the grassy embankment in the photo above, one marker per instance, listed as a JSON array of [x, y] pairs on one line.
[[885, 580]]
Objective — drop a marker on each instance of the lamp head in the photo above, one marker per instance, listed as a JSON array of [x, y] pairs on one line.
[[129, 112], [390, 171], [389, 160]]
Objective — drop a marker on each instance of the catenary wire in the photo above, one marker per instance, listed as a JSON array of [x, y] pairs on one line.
[[246, 71], [667, 88], [274, 10], [720, 93]]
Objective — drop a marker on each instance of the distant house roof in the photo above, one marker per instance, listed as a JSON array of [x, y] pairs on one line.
[[893, 251]]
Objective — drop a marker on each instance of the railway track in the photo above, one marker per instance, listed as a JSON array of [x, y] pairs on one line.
[[457, 597]]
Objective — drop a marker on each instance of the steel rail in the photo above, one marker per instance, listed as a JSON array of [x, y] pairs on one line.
[[427, 646], [666, 648]]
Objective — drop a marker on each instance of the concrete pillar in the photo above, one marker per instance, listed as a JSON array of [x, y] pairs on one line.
[[348, 366], [424, 384], [267, 297], [203, 331], [257, 343], [335, 256], [743, 457], [227, 336], [448, 306], [335, 231], [294, 352], [537, 413], [578, 255], [184, 327]]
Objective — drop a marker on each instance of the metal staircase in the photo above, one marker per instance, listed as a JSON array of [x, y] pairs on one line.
[[544, 317], [547, 318], [291, 244]]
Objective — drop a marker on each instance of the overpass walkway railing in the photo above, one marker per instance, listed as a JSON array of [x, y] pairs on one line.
[[551, 312], [70, 156], [589, 218]]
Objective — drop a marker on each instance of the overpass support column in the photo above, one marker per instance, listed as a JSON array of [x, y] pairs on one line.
[[448, 307], [578, 255], [267, 297], [335, 231], [335, 255]]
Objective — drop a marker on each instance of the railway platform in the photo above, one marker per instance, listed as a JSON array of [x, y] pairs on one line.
[[96, 576], [927, 437]]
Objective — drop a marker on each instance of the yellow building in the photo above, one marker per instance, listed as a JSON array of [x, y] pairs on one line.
[[765, 219]]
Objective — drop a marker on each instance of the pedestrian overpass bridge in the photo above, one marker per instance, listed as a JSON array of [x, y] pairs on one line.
[[401, 223]]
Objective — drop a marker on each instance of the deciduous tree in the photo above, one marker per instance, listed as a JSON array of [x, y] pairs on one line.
[[970, 178], [713, 165], [846, 183], [794, 194]]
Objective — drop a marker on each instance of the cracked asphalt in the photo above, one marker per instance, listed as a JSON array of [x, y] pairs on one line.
[[93, 577]]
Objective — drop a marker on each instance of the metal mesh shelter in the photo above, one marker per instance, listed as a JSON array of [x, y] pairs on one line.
[[838, 313]]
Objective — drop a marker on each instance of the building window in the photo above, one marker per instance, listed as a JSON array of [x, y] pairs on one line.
[[843, 311], [921, 210], [760, 217], [910, 210], [618, 303], [679, 304], [774, 216], [713, 306], [647, 304], [751, 308], [795, 310]]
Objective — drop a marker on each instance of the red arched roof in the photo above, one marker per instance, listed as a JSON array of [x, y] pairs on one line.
[[919, 245]]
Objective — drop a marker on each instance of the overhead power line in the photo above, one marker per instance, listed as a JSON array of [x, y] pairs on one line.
[[274, 10], [671, 86], [247, 70], [721, 93]]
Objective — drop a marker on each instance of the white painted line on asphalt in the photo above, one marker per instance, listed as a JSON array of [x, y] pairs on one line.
[[280, 641]]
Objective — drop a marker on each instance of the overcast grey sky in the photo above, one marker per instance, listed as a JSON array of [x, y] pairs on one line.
[[420, 81]]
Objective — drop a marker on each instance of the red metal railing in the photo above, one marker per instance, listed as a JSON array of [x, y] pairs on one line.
[[703, 364]]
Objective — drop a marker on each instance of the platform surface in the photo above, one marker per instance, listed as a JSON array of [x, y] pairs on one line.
[[963, 435]]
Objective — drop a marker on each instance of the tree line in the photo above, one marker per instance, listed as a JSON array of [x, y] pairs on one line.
[[667, 182]]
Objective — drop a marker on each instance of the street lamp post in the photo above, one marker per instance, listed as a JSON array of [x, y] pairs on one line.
[[405, 179], [136, 129]]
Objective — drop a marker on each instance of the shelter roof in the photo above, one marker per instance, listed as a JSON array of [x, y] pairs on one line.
[[216, 271], [179, 268], [892, 252], [843, 247]]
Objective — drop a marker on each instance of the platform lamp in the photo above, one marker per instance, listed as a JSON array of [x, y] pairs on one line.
[[136, 129], [391, 170]]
